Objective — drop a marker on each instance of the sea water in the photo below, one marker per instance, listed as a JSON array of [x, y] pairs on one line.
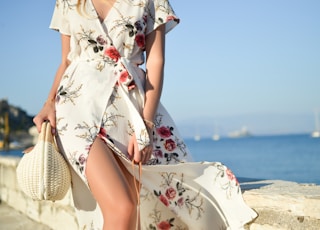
[[287, 157]]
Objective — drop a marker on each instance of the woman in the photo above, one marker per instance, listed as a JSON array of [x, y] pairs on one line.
[[106, 113]]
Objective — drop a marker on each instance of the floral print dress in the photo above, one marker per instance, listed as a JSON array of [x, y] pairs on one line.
[[101, 94]]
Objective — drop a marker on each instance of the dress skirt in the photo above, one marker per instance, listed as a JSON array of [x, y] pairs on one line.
[[176, 193]]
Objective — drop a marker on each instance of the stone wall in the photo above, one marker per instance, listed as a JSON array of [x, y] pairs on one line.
[[57, 215], [281, 205]]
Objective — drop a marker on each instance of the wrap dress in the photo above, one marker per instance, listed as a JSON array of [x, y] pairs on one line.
[[101, 94]]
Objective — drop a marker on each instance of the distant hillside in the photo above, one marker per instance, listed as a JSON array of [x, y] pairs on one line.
[[19, 120]]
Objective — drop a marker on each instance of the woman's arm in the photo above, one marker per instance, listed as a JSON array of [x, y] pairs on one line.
[[155, 51], [48, 110], [155, 47]]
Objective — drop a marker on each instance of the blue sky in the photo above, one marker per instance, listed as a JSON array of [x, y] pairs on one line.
[[229, 63]]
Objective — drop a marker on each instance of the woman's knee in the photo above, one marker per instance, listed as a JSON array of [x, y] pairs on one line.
[[125, 207]]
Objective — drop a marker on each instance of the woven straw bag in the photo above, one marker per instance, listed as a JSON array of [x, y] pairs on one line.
[[43, 173]]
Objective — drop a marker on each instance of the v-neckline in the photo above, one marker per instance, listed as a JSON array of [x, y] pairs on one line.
[[102, 20]]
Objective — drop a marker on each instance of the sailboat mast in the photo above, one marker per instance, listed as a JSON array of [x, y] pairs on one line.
[[316, 132], [316, 117]]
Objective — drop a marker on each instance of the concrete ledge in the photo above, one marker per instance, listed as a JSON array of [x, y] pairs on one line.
[[280, 204], [283, 205], [56, 215]]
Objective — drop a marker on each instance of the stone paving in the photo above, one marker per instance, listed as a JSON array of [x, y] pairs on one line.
[[11, 219]]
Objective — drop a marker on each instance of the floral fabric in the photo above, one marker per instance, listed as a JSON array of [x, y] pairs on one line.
[[102, 92]]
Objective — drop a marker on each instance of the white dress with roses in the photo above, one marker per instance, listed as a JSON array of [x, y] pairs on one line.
[[102, 92]]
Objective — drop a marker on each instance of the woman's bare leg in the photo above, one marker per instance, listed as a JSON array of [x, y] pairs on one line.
[[112, 187], [134, 185]]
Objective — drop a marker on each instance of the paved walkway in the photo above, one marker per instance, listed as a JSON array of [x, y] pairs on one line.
[[11, 219]]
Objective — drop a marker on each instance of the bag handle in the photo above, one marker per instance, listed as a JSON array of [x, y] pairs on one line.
[[137, 188], [44, 135], [47, 134]]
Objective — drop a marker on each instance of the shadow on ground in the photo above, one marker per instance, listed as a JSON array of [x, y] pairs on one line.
[[252, 183]]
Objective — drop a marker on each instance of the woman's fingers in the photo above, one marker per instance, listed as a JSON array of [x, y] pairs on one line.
[[148, 154], [37, 120], [138, 155], [131, 148], [52, 120], [47, 113], [145, 154]]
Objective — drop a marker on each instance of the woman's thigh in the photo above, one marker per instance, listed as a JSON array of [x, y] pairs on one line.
[[108, 180]]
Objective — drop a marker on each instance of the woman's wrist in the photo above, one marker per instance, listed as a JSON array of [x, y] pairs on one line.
[[149, 123], [49, 101]]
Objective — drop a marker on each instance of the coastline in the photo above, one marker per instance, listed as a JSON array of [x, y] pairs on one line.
[[280, 204], [290, 157], [20, 140]]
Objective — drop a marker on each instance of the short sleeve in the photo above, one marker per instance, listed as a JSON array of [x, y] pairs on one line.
[[59, 19], [160, 12]]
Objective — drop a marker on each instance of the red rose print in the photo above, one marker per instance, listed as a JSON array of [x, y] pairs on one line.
[[164, 200], [82, 159], [171, 193], [158, 153], [113, 53], [124, 76], [145, 17], [169, 145], [88, 147], [231, 176], [164, 132], [164, 225], [180, 202], [140, 40], [101, 40], [103, 132], [138, 25]]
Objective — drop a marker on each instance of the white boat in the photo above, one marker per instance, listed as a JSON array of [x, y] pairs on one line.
[[216, 137], [316, 132], [243, 132], [197, 138]]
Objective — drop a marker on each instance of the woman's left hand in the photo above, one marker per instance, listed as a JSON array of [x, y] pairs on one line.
[[139, 156]]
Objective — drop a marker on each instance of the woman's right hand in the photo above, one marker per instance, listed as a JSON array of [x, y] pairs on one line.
[[47, 113]]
